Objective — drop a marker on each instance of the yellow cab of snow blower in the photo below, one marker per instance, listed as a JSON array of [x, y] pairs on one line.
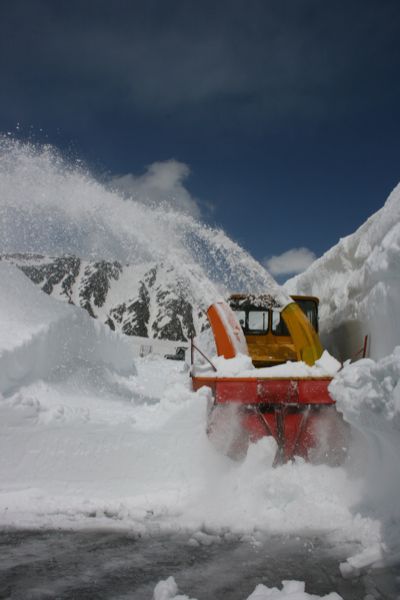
[[266, 328]]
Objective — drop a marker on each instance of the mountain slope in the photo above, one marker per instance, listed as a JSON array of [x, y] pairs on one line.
[[147, 300]]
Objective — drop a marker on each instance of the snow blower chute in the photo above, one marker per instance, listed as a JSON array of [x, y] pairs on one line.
[[297, 411]]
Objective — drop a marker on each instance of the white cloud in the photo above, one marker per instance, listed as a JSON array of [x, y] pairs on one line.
[[290, 262], [162, 182]]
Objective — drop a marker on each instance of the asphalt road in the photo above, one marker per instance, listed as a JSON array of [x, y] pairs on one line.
[[108, 564]]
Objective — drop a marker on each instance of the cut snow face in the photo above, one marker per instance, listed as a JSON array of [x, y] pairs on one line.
[[357, 282], [358, 285], [368, 394]]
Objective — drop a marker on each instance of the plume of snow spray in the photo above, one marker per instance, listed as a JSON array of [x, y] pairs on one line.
[[51, 206]]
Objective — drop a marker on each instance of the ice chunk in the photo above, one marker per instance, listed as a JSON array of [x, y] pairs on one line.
[[291, 590]]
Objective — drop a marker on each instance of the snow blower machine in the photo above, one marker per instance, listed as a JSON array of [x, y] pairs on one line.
[[276, 385]]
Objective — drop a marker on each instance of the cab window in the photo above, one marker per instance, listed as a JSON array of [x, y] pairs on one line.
[[278, 324], [257, 321], [241, 317], [308, 307]]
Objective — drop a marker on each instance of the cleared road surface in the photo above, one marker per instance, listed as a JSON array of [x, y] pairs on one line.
[[118, 565]]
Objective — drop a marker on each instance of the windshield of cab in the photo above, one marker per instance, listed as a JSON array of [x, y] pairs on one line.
[[253, 321], [256, 321]]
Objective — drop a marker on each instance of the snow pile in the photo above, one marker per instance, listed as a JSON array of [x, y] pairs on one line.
[[368, 394], [168, 590], [232, 367], [253, 496], [242, 366], [358, 283], [88, 450], [291, 590], [38, 336]]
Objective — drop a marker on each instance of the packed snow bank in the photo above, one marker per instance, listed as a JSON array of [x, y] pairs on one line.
[[358, 283], [39, 335], [242, 366], [291, 590], [368, 394]]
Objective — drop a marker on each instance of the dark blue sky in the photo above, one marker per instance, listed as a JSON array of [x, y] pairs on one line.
[[287, 112]]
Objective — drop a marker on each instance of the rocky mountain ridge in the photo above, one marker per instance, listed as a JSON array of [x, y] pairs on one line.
[[146, 300]]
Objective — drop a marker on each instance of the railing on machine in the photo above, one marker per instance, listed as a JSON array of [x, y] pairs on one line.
[[362, 352], [193, 347]]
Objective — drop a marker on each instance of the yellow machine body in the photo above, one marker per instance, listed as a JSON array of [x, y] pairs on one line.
[[285, 335]]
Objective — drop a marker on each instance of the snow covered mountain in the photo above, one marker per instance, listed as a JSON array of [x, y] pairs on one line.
[[146, 300], [144, 269]]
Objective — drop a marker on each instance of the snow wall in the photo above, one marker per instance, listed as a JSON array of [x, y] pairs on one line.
[[358, 283], [368, 394]]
